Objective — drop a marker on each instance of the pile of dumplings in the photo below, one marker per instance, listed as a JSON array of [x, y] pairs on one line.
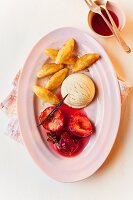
[[64, 62]]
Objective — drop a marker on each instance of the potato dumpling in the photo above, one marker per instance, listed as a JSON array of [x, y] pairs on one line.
[[85, 61], [56, 80], [45, 95], [65, 52], [71, 60], [49, 69], [52, 53]]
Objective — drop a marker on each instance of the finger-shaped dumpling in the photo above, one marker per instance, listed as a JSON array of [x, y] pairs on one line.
[[49, 69], [66, 51], [85, 61], [71, 60], [56, 80], [45, 94], [52, 53]]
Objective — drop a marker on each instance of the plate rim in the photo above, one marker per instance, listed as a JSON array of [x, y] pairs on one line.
[[118, 99]]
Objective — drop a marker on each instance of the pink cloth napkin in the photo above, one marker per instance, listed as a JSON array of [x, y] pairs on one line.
[[9, 106]]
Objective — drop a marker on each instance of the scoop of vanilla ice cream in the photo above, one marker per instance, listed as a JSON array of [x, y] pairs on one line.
[[80, 89]]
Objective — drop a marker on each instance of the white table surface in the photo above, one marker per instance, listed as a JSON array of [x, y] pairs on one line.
[[22, 24]]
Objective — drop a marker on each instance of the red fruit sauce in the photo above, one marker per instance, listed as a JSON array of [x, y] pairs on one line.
[[100, 26], [67, 111]]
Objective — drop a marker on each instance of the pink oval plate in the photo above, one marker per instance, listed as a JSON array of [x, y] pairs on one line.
[[104, 111]]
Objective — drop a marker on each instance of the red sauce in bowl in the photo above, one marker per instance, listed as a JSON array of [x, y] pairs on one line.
[[100, 26]]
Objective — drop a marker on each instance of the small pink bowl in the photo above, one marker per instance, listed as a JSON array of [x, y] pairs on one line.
[[115, 8]]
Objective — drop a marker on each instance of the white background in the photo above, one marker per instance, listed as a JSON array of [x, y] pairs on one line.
[[22, 24]]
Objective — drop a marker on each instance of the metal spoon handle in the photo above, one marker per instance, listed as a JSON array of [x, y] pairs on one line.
[[117, 33]]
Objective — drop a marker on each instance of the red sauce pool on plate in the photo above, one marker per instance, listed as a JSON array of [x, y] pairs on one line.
[[100, 26], [67, 111]]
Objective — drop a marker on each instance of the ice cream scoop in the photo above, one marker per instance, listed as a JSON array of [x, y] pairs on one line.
[[80, 89]]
